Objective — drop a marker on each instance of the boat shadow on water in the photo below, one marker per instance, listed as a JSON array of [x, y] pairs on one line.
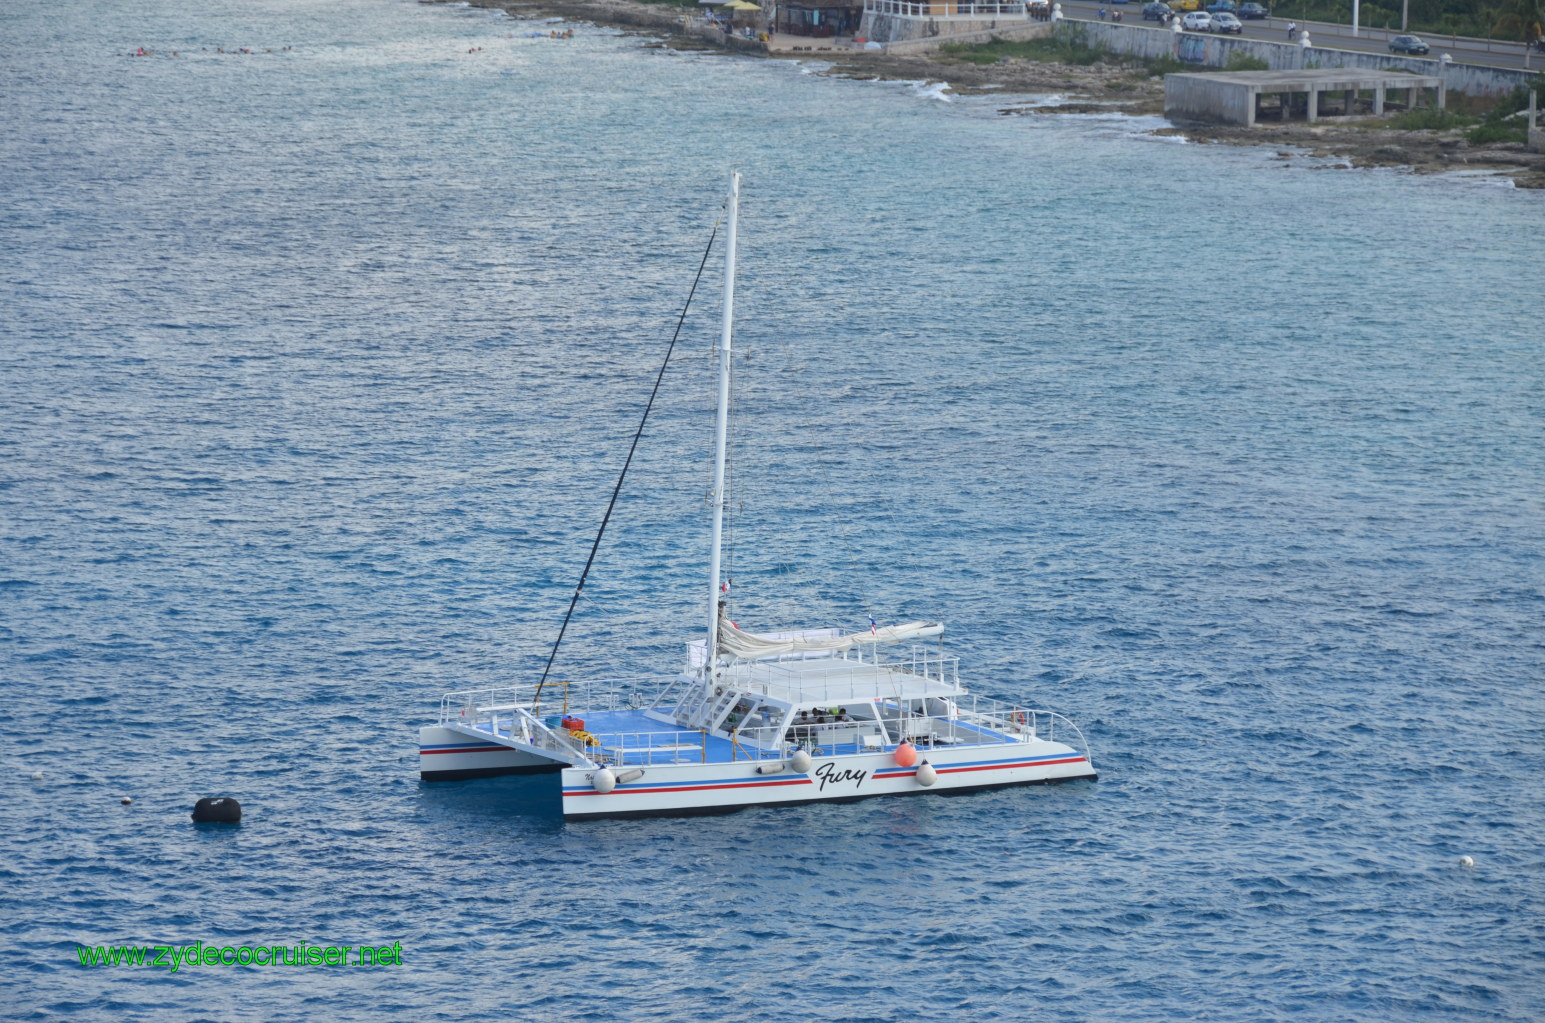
[[532, 797]]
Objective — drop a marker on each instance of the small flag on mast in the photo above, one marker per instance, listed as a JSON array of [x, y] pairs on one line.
[[871, 626]]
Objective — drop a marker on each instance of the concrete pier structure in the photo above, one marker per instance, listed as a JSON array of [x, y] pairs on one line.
[[1234, 97], [1536, 133]]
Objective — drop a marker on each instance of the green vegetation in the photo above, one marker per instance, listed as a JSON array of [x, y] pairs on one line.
[[1502, 123], [1166, 65], [1074, 49], [1426, 119], [1520, 20], [1510, 130], [1245, 62]]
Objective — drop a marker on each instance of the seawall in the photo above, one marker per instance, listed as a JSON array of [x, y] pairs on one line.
[[1208, 50]]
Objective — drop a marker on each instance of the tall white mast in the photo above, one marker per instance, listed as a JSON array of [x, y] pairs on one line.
[[723, 427]]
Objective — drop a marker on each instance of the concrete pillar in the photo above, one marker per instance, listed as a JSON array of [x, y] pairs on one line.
[[1534, 137], [1287, 101], [1378, 101], [1314, 104]]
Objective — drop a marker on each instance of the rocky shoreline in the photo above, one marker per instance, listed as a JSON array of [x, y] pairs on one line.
[[1103, 88]]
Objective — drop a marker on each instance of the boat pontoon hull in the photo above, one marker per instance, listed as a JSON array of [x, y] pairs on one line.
[[447, 754], [666, 790]]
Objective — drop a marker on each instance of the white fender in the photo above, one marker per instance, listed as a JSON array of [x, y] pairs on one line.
[[603, 780], [799, 763], [926, 775], [627, 776], [770, 768]]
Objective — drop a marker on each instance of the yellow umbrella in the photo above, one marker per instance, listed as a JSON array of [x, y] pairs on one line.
[[741, 5]]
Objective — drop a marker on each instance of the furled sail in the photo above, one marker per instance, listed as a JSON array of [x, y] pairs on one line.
[[750, 647]]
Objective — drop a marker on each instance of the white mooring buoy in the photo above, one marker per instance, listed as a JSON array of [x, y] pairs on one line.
[[1467, 861]]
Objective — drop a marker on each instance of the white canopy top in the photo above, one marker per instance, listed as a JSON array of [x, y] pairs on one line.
[[751, 647]]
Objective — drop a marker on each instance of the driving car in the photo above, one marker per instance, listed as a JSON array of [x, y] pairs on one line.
[[1154, 10], [1197, 21], [1220, 5], [1223, 21], [1252, 12], [1407, 44]]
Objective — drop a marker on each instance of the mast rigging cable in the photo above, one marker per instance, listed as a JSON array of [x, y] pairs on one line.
[[617, 490]]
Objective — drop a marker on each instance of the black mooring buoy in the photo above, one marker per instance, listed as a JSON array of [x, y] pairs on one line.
[[217, 810]]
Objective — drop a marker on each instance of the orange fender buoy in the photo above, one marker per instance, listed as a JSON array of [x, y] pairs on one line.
[[906, 755]]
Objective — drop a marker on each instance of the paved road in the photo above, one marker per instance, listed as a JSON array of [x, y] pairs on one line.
[[1464, 51]]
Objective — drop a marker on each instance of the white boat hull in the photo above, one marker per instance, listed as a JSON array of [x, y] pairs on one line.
[[447, 754], [720, 787]]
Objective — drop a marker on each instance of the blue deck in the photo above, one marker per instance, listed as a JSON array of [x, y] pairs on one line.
[[629, 738]]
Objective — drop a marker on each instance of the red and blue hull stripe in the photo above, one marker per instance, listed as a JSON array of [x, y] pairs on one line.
[[983, 765], [465, 747], [692, 786]]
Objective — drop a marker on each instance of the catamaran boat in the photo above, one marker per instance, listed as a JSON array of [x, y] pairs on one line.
[[756, 718]]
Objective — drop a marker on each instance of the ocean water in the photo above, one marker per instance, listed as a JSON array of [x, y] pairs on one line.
[[317, 364]]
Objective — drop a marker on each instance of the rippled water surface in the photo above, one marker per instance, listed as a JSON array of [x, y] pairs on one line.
[[318, 363]]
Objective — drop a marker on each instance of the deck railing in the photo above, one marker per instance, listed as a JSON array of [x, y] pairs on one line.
[[927, 663], [1018, 724], [514, 712], [467, 706], [511, 711], [857, 682], [946, 9], [645, 749]]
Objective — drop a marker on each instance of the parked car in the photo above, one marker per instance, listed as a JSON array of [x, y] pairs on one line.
[[1223, 21], [1185, 5], [1154, 10], [1197, 21], [1407, 44], [1220, 5], [1252, 12]]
